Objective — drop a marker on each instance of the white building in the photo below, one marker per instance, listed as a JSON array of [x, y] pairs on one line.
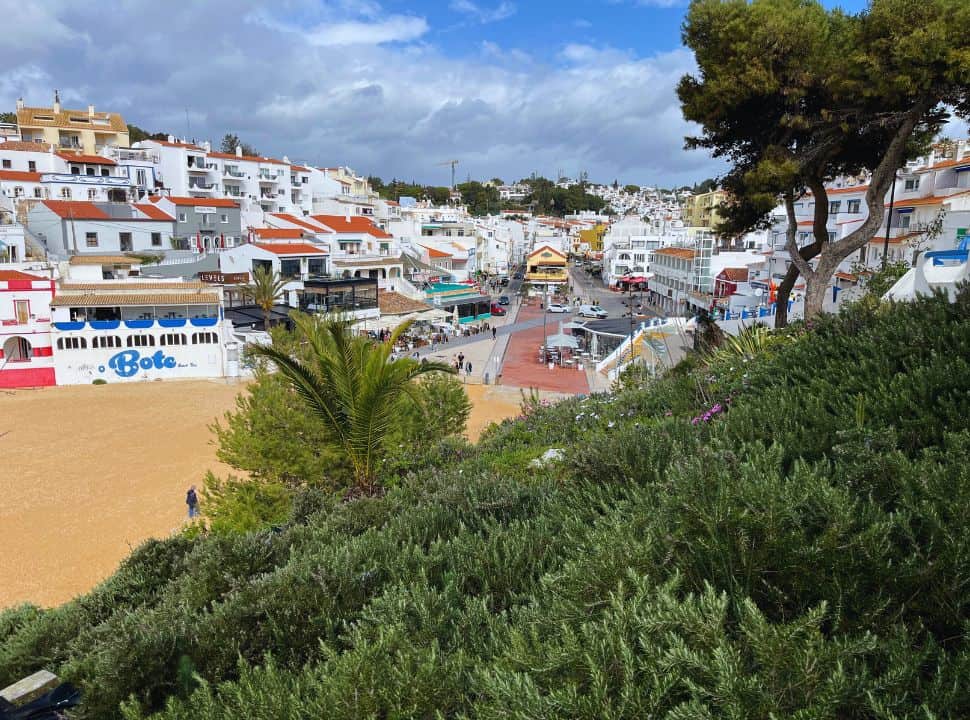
[[87, 227], [26, 357]]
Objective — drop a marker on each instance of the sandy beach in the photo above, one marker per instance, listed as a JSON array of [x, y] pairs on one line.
[[89, 472]]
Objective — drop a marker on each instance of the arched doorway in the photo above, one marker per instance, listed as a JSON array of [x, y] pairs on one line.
[[17, 349]]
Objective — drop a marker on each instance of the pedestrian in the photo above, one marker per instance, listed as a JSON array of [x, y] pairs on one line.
[[468, 369], [192, 500], [461, 360], [494, 333]]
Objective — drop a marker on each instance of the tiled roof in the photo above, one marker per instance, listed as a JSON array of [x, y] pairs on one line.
[[685, 253], [19, 175], [97, 300], [154, 213], [279, 233], [85, 159], [301, 222], [435, 253], [196, 202], [103, 260], [843, 191], [356, 224], [299, 168], [394, 303], [22, 146], [291, 248], [364, 262], [846, 276], [128, 287], [76, 210], [33, 117], [734, 274], [17, 275], [187, 146], [544, 248]]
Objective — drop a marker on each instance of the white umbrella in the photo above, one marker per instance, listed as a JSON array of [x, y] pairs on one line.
[[562, 341]]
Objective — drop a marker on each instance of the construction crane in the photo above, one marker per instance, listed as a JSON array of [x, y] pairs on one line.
[[453, 163]]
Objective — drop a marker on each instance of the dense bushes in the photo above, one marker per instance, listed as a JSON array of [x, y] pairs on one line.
[[802, 552]]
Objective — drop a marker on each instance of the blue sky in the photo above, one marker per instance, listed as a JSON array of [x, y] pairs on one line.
[[388, 87]]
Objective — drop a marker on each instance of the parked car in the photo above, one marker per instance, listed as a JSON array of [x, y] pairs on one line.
[[517, 276], [498, 310], [504, 300], [558, 308], [504, 281], [592, 311]]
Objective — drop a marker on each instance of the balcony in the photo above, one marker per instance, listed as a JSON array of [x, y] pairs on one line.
[[124, 154], [201, 187], [233, 173]]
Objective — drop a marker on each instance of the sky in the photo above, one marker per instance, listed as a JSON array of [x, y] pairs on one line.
[[387, 87]]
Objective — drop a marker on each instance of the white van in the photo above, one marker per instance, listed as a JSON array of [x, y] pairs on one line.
[[594, 311]]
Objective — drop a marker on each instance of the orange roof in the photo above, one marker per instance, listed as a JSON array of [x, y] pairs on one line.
[[197, 202], [550, 249], [19, 175], [153, 212], [248, 158], [842, 191], [685, 253], [188, 146], [356, 224], [279, 233], [918, 202], [17, 275], [23, 146], [803, 223], [298, 221], [299, 168], [76, 210], [435, 253], [894, 240], [86, 159], [846, 276], [291, 248], [734, 274]]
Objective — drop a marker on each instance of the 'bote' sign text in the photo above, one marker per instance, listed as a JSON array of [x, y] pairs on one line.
[[128, 362]]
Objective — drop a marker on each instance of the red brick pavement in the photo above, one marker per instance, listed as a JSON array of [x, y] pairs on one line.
[[521, 367]]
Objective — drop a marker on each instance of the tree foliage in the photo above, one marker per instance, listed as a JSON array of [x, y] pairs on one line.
[[231, 141], [547, 199], [793, 95], [264, 290], [803, 552], [480, 199], [136, 134], [8, 117]]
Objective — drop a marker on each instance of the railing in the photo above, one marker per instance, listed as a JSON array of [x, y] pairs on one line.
[[234, 173]]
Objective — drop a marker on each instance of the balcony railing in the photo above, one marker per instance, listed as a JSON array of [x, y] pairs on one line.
[[234, 173]]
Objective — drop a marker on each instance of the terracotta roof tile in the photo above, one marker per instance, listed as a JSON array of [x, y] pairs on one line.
[[23, 146], [302, 222], [100, 300], [95, 259], [291, 248], [76, 210], [128, 287], [247, 158], [734, 274], [36, 117], [85, 159], [356, 224], [17, 275], [394, 303], [153, 213], [435, 253], [19, 175], [196, 202], [279, 233], [685, 253]]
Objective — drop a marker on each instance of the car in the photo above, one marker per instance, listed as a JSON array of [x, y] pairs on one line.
[[517, 276], [497, 310], [558, 308], [594, 311], [504, 300], [504, 281]]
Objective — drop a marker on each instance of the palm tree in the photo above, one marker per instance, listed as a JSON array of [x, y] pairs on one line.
[[351, 384], [264, 289]]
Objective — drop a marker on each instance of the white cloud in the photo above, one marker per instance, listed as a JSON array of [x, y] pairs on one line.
[[481, 14], [391, 105]]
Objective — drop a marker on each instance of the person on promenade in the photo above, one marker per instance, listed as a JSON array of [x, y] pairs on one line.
[[494, 333], [461, 360], [468, 369], [192, 500]]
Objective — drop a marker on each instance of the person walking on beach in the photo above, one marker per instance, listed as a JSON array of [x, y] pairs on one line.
[[494, 333], [192, 500]]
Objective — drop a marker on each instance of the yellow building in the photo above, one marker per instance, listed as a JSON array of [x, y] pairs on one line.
[[701, 210], [546, 265], [592, 237], [84, 130]]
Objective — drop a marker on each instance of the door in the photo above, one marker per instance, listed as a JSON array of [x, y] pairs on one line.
[[21, 311], [125, 239]]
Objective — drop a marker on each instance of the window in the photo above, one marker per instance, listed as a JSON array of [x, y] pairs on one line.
[[831, 236], [89, 171], [31, 166], [912, 184], [6, 164], [316, 266], [204, 338], [72, 343], [289, 268], [18, 192], [91, 239], [834, 206], [182, 217], [65, 193], [853, 206], [904, 221], [224, 219], [141, 178], [141, 341], [156, 239], [173, 339], [37, 193], [104, 172], [92, 193], [106, 341], [124, 240], [75, 170]]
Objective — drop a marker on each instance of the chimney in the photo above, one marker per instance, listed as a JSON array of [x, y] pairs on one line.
[[20, 103], [347, 215], [286, 160], [90, 111], [57, 102], [207, 146], [171, 138], [238, 150]]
